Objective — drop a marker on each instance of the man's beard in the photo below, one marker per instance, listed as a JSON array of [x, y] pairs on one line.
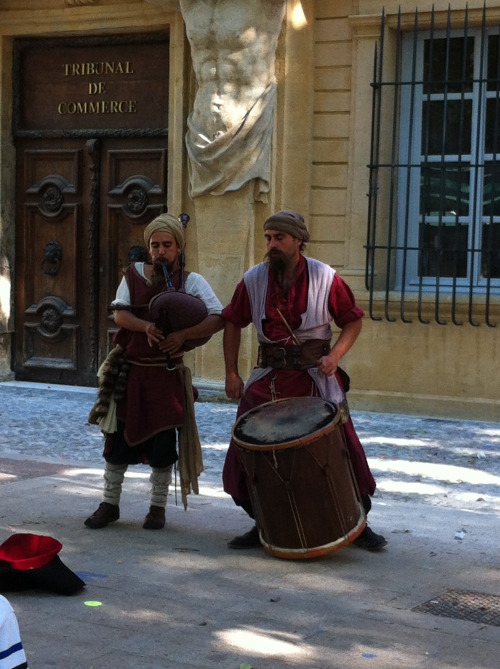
[[279, 263], [158, 273]]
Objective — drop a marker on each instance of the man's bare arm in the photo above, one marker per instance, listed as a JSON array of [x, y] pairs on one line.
[[231, 344], [328, 363], [126, 319]]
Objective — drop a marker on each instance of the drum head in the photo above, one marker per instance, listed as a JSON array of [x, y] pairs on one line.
[[285, 423]]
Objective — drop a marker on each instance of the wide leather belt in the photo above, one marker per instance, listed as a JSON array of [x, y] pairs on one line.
[[303, 356], [168, 363]]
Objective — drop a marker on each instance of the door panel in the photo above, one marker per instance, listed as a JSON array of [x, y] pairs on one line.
[[133, 193], [51, 236], [91, 173], [81, 206]]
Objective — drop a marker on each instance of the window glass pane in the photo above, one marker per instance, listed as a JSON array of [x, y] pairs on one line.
[[444, 189], [442, 250], [491, 189], [492, 128], [446, 127], [493, 83], [448, 62], [490, 251]]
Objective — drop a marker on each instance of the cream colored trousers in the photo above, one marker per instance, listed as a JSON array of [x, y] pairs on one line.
[[160, 480]]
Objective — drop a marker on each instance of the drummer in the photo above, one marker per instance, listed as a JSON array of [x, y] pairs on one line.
[[157, 401], [291, 301]]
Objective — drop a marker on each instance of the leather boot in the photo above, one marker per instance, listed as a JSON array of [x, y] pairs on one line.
[[155, 520], [250, 539], [370, 541], [106, 513]]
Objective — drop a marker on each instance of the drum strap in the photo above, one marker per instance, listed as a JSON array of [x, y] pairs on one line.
[[302, 356]]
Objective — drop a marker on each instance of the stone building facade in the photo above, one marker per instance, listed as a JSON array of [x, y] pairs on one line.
[[95, 101]]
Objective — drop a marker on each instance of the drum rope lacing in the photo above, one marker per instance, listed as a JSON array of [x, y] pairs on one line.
[[272, 387], [293, 502], [291, 498]]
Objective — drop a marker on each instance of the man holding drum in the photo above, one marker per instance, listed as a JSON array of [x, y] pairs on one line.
[[145, 391], [291, 300]]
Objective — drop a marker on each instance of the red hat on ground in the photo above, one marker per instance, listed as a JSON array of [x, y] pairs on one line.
[[32, 561]]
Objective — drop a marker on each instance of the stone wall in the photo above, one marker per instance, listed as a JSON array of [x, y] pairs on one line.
[[320, 154]]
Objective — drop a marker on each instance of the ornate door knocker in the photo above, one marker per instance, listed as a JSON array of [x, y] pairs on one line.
[[52, 256]]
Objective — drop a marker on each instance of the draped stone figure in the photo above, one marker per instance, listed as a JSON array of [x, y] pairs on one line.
[[233, 45]]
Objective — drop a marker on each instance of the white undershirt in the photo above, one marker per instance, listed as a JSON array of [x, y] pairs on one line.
[[195, 285]]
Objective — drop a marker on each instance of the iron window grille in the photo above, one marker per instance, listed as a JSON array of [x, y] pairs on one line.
[[433, 241]]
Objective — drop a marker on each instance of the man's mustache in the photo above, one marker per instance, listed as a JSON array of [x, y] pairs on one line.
[[159, 266], [274, 254]]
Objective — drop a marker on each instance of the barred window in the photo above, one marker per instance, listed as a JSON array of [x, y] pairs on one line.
[[434, 199]]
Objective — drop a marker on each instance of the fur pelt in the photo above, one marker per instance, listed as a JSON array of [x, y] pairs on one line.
[[112, 379]]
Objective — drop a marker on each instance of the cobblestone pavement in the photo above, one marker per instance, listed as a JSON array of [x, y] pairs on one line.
[[416, 459]]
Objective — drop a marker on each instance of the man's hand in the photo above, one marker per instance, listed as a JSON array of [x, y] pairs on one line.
[[154, 335], [234, 386], [327, 365], [173, 343]]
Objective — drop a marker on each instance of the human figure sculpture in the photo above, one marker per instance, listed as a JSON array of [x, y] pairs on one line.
[[233, 45]]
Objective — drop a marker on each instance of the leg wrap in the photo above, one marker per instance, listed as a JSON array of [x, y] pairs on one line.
[[367, 503], [113, 479], [160, 480]]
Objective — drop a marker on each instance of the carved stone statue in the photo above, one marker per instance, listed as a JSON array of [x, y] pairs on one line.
[[233, 45]]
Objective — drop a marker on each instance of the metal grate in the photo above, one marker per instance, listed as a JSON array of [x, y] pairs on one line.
[[477, 607], [433, 239]]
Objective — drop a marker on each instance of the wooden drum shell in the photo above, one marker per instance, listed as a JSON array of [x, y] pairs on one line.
[[303, 491]]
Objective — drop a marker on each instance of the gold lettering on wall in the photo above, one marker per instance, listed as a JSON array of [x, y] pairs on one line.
[[89, 69], [99, 69], [98, 107], [97, 88], [95, 84]]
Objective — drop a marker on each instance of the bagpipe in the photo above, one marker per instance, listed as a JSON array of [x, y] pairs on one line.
[[174, 310]]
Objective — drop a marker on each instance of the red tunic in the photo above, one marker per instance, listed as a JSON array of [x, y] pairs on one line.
[[154, 399], [290, 383]]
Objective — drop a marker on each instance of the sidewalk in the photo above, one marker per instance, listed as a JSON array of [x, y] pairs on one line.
[[178, 598]]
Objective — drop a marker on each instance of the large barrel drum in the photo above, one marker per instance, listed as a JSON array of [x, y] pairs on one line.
[[299, 474]]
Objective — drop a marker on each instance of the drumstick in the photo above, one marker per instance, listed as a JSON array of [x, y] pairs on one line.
[[295, 340]]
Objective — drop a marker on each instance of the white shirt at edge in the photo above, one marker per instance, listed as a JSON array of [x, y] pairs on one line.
[[195, 285]]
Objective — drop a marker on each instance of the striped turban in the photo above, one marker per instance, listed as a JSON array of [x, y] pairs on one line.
[[289, 222], [166, 223]]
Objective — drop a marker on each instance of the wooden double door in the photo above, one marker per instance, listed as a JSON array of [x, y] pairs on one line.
[[82, 206]]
